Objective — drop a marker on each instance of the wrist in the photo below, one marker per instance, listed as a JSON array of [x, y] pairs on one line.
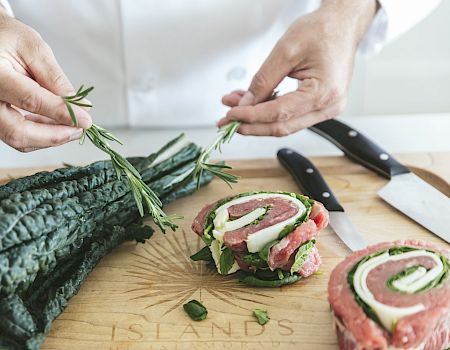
[[353, 17]]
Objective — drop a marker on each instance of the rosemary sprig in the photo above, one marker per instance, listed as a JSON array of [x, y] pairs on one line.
[[225, 133], [78, 100], [99, 136]]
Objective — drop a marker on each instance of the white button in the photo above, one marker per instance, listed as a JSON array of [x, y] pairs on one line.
[[326, 195], [352, 133], [384, 156], [309, 170], [236, 73]]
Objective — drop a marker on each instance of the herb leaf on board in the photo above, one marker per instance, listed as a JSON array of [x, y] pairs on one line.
[[195, 310], [261, 316]]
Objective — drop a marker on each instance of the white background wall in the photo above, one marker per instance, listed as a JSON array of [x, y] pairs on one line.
[[410, 75]]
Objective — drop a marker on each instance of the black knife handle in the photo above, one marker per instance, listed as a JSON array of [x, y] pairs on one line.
[[359, 148], [308, 178]]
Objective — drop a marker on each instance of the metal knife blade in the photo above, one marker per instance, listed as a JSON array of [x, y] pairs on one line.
[[311, 182], [420, 201], [346, 231], [405, 191]]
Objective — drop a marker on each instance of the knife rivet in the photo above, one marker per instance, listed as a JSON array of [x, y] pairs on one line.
[[352, 133], [309, 170], [384, 156], [326, 194]]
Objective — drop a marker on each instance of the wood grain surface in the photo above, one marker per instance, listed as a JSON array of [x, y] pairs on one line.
[[133, 299]]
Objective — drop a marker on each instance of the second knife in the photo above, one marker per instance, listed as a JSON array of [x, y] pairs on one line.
[[311, 182]]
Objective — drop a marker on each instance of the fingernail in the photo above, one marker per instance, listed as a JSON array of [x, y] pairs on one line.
[[76, 134], [248, 99]]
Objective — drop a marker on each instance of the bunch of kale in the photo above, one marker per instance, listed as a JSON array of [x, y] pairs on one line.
[[56, 226]]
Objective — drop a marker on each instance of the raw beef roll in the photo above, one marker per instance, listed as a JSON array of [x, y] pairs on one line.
[[268, 236], [392, 295]]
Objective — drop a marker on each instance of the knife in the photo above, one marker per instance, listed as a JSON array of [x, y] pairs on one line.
[[311, 182], [405, 191]]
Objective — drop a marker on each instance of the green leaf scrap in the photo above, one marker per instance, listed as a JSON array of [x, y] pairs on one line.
[[261, 316], [195, 310]]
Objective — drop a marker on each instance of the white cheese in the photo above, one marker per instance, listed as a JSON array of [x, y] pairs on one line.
[[244, 220], [404, 283], [256, 241], [387, 314]]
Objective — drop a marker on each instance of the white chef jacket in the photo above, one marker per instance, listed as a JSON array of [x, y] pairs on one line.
[[168, 63]]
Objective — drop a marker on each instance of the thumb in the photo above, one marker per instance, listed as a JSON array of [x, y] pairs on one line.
[[274, 69]]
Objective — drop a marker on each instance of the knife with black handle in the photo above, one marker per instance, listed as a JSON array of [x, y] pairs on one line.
[[359, 148], [405, 191], [311, 183]]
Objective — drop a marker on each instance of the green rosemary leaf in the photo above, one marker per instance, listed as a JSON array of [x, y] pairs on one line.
[[81, 104], [72, 114], [225, 133]]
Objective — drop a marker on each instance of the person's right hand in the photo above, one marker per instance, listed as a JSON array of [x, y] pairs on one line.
[[32, 113]]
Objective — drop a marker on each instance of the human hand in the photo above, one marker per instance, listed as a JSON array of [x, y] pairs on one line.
[[318, 49], [32, 81]]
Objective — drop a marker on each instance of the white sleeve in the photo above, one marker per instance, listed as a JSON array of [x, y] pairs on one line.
[[394, 18], [7, 7]]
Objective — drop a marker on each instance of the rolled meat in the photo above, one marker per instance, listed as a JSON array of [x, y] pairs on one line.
[[269, 236], [393, 295]]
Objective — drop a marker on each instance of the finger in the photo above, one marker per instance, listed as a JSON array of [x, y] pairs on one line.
[[274, 69], [47, 72], [40, 119], [223, 121], [26, 135], [283, 108], [280, 129], [232, 99], [26, 94]]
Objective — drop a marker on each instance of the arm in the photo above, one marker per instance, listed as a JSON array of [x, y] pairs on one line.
[[32, 113], [319, 50]]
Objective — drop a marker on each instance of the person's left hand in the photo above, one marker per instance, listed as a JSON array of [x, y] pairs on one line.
[[318, 50]]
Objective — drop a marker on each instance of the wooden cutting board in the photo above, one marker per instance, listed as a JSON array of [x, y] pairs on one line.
[[134, 297]]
